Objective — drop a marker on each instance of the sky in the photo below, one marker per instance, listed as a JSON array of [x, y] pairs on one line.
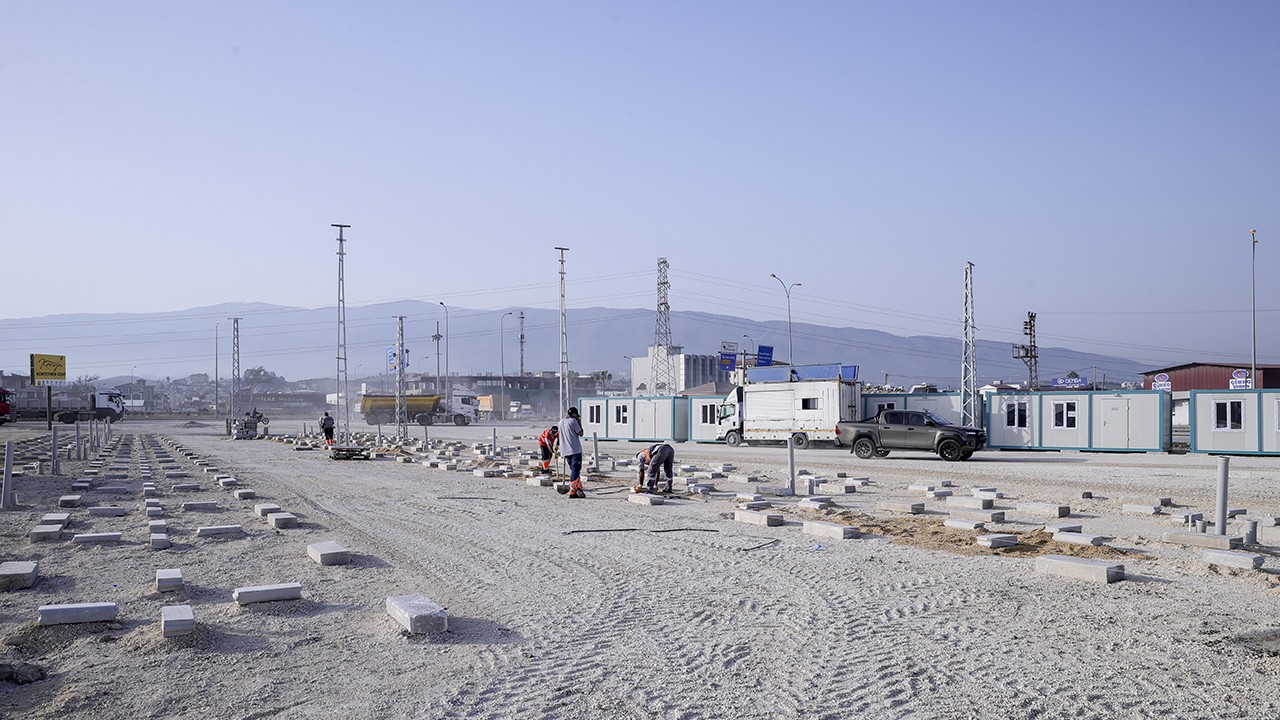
[[1100, 163]]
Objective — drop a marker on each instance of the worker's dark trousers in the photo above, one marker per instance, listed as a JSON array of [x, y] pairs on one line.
[[662, 461]]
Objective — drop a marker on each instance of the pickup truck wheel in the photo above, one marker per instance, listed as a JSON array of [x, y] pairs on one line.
[[882, 453], [732, 438], [966, 454], [864, 448], [800, 441], [950, 450]]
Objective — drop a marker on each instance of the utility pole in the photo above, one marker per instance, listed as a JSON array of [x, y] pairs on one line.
[[235, 367], [343, 409], [436, 339], [215, 369], [502, 365], [402, 428], [521, 343], [448, 393], [564, 341], [1030, 354], [1253, 279], [969, 366], [662, 373]]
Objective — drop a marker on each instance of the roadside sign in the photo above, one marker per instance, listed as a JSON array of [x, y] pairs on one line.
[[48, 369], [1167, 386], [1070, 382], [391, 358], [728, 361], [728, 347], [764, 356], [1240, 380]]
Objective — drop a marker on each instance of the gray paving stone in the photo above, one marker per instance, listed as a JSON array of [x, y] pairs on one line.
[[755, 505], [539, 481], [281, 520], [1133, 509], [211, 530], [168, 580], [107, 511], [267, 593], [59, 519], [1044, 509], [901, 506], [836, 488], [921, 488], [160, 541], [77, 613], [973, 503], [1057, 527], [1102, 571], [329, 553], [155, 511], [829, 530], [245, 494], [201, 506], [986, 516], [1078, 538], [97, 537], [265, 509], [939, 494], [177, 620], [69, 501], [418, 614], [997, 541], [186, 487], [18, 574], [645, 499], [754, 517], [814, 504], [955, 524], [113, 489], [1233, 512], [1233, 558], [160, 526], [1205, 540]]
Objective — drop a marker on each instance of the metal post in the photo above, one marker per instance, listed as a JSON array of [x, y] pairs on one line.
[[791, 353], [595, 451], [55, 466], [215, 369], [565, 399], [6, 487], [402, 428], [791, 462], [79, 453], [1253, 278], [1220, 511], [502, 365], [1250, 532], [495, 442]]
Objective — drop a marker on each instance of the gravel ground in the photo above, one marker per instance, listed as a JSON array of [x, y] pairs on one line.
[[671, 611]]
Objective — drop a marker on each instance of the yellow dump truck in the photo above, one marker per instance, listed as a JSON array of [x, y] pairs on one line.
[[420, 409]]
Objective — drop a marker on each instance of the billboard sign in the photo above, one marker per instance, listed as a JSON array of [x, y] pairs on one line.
[[764, 356], [1240, 380], [728, 361], [1070, 382], [48, 369], [728, 347]]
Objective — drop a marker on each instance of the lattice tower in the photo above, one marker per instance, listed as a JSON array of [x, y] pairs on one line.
[[662, 372]]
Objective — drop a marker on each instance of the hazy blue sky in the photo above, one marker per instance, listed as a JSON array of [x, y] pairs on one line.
[[1101, 163]]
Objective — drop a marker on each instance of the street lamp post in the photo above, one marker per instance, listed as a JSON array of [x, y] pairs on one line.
[[786, 289], [448, 393], [1253, 279], [502, 364], [131, 387], [755, 349], [215, 369]]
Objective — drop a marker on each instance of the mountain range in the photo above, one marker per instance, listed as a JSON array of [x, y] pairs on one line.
[[300, 343]]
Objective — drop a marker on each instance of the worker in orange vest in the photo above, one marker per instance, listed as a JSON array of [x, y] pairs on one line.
[[547, 443], [656, 459]]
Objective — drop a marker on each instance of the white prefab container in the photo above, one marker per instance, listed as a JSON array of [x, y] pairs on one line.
[[636, 418], [703, 417], [807, 409], [1130, 421], [946, 405], [1235, 422]]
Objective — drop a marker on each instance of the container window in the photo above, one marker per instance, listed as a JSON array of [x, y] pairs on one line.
[[708, 414], [1015, 414], [1228, 415], [620, 414], [882, 406], [593, 414], [1064, 414], [812, 403]]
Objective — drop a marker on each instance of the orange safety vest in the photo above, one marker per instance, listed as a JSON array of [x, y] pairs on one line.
[[548, 438]]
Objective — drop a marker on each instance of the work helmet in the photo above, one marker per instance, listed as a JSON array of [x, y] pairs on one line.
[[573, 412]]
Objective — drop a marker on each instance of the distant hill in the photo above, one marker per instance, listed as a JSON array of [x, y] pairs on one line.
[[300, 343]]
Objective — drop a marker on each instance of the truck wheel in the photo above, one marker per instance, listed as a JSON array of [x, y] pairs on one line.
[[732, 438], [882, 453], [800, 441], [966, 454], [864, 448], [422, 419], [950, 450], [459, 420]]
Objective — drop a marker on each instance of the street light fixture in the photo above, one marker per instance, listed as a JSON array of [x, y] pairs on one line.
[[502, 363], [448, 393], [791, 356]]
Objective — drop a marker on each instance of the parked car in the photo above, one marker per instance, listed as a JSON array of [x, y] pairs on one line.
[[909, 430]]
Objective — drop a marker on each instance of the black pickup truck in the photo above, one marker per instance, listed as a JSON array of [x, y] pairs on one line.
[[909, 430]]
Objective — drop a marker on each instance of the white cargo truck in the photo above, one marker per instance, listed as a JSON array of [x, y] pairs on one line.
[[802, 402]]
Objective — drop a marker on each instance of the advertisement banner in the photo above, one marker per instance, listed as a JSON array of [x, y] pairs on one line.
[[48, 369], [764, 356], [728, 361]]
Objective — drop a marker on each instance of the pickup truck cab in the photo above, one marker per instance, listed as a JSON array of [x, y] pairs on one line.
[[909, 430]]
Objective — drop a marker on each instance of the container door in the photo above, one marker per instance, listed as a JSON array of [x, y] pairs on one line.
[[1115, 423]]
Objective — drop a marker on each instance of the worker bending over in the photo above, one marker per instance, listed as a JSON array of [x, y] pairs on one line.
[[547, 443], [656, 459]]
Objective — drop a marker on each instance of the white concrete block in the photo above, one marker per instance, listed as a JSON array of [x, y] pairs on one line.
[[69, 501], [418, 614], [59, 519], [97, 537], [1057, 527], [939, 494], [265, 509], [955, 524], [282, 520], [211, 530], [1077, 538], [901, 506], [1080, 568], [106, 511], [1140, 509], [329, 553], [267, 593], [160, 526], [18, 574], [754, 517], [833, 531], [1044, 509], [177, 620], [1232, 512], [1233, 558], [973, 503], [155, 512], [644, 499], [997, 541], [202, 506], [159, 541], [755, 505], [986, 516], [921, 488], [244, 494], [168, 580], [836, 488], [77, 613]]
